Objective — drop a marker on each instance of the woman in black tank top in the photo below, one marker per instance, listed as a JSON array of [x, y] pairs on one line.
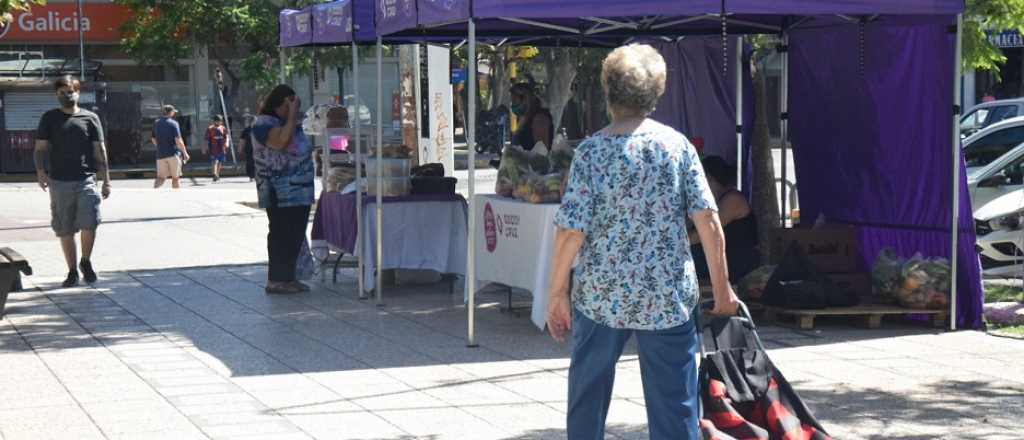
[[738, 223], [535, 122]]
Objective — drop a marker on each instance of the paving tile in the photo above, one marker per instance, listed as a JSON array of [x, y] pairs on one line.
[[342, 421], [438, 423], [250, 406], [239, 364], [274, 427], [189, 434], [111, 391], [56, 433], [211, 399], [280, 436], [200, 389], [236, 418], [177, 374]]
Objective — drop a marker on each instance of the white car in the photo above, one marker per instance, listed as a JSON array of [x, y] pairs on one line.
[[988, 113], [1001, 176], [992, 142], [1000, 237]]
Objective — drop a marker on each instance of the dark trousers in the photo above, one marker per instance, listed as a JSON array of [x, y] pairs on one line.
[[287, 231], [668, 370]]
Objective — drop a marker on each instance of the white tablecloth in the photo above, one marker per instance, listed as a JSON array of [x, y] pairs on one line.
[[420, 235], [514, 244]]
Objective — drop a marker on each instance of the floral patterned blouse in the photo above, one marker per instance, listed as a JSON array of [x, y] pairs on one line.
[[283, 178], [630, 195]]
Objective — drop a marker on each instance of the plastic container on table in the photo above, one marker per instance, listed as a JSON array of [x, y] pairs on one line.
[[339, 142], [389, 167], [393, 186]]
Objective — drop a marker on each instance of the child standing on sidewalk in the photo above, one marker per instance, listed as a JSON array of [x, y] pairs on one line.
[[217, 142]]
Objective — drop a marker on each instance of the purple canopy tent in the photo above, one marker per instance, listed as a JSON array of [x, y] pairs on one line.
[[885, 219], [350, 22], [296, 27]]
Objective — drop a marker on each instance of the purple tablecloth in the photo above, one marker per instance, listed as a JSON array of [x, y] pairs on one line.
[[335, 218]]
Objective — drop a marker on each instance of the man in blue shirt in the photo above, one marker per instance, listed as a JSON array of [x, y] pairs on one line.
[[170, 148]]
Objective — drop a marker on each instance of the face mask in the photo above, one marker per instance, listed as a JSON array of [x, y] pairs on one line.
[[68, 100], [518, 109]]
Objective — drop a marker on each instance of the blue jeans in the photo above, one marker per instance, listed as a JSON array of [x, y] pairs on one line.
[[667, 366]]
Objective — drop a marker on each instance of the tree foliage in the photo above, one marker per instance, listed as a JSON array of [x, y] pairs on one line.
[[8, 6], [241, 36], [989, 15]]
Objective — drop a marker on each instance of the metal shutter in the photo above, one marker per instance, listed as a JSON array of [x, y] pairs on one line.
[[22, 110]]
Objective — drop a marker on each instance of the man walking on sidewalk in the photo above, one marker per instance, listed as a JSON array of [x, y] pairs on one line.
[[217, 141], [71, 140], [167, 138]]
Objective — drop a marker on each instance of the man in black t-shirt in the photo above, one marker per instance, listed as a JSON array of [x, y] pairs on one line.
[[70, 139]]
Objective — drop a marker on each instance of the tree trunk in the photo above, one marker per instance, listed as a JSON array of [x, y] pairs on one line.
[[561, 69], [500, 93], [764, 197]]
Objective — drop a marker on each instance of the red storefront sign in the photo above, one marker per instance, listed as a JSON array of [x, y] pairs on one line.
[[58, 23]]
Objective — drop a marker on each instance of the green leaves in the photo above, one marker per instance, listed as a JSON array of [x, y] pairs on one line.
[[992, 15], [163, 31], [8, 6]]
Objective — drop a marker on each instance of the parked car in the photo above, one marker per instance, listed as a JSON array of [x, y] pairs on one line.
[[988, 113], [1000, 237], [1001, 176], [992, 142]]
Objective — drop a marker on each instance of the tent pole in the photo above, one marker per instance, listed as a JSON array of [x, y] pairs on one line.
[[359, 168], [955, 228], [380, 176], [739, 113], [784, 124], [471, 225]]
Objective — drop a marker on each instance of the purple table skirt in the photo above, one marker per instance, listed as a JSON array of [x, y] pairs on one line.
[[335, 217]]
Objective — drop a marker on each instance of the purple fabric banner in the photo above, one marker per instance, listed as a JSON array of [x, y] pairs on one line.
[[395, 15], [296, 27], [870, 115], [363, 27], [607, 9], [434, 12], [332, 22], [700, 99]]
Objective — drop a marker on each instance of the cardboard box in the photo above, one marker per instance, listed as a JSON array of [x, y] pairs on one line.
[[832, 248]]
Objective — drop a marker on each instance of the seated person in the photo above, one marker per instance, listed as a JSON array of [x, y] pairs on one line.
[[738, 223]]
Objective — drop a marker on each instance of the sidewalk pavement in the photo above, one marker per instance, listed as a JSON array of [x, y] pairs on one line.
[[163, 349]]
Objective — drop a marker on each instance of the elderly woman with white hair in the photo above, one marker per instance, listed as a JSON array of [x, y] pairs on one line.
[[631, 187]]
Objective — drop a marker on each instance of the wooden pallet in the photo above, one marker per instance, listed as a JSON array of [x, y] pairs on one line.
[[871, 314]]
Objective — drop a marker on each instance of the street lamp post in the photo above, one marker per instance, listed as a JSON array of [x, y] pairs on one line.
[[81, 41]]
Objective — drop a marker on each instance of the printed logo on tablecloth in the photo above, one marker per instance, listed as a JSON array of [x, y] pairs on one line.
[[490, 229]]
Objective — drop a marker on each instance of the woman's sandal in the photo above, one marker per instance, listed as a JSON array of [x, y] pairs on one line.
[[299, 285]]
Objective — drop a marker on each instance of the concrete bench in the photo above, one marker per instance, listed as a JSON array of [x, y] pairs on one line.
[[12, 265]]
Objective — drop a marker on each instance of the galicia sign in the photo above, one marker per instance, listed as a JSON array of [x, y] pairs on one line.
[[58, 23]]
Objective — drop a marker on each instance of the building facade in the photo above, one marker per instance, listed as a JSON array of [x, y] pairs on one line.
[[40, 44]]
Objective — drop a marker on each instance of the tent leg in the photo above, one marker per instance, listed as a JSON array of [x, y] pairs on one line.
[[471, 225], [380, 176], [739, 113], [955, 227], [359, 167], [282, 59], [784, 127]]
